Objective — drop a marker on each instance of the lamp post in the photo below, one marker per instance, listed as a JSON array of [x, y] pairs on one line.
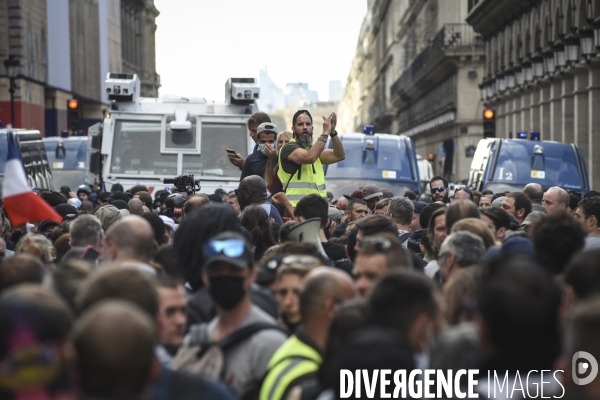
[[12, 70]]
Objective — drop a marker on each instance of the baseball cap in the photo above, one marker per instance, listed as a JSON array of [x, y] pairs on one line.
[[371, 191], [65, 209], [74, 202], [418, 206], [230, 247], [266, 127], [357, 194]]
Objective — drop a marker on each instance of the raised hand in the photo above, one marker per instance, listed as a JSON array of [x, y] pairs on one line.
[[327, 125]]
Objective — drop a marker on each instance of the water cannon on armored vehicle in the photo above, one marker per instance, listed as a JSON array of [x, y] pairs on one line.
[[243, 91], [122, 87]]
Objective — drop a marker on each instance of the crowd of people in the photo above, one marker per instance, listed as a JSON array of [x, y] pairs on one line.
[[253, 295]]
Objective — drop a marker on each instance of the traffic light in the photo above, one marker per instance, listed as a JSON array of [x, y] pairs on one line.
[[489, 123], [73, 115]]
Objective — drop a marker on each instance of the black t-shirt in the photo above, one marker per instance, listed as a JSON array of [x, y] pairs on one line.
[[334, 251], [289, 166]]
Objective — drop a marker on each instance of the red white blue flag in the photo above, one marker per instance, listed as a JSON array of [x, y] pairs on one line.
[[20, 202]]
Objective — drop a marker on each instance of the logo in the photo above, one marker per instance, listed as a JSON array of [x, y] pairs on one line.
[[584, 364]]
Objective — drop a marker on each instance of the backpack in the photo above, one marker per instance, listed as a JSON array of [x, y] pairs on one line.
[[203, 356]]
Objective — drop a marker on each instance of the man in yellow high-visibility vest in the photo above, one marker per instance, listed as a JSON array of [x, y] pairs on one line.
[[301, 161]]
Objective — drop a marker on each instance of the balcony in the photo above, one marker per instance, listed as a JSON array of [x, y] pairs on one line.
[[450, 37]]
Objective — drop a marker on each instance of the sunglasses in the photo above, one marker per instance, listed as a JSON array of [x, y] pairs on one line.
[[466, 189], [438, 189], [237, 191], [232, 248], [382, 245]]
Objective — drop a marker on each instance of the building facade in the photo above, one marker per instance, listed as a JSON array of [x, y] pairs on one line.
[[416, 72], [542, 73], [65, 49]]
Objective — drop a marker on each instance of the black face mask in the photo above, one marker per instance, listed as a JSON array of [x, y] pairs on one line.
[[227, 291], [243, 201]]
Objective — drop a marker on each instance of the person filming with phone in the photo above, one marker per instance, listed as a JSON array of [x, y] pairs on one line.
[[266, 138], [301, 161]]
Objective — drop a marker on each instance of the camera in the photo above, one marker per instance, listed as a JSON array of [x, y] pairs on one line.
[[184, 184]]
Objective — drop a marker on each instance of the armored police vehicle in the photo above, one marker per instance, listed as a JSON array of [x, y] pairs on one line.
[[389, 161], [150, 140], [33, 156], [509, 164]]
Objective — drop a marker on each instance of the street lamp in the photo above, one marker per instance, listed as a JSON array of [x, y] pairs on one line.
[[538, 65], [510, 78], [596, 26], [560, 59], [549, 61], [519, 75], [483, 89], [572, 47], [528, 70], [12, 65], [586, 41], [501, 82]]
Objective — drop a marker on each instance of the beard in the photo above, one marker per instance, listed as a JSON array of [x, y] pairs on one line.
[[304, 140]]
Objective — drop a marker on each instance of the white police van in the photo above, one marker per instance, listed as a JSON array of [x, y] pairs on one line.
[[150, 140]]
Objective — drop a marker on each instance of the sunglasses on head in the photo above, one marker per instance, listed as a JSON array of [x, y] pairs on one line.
[[466, 189], [231, 248], [438, 189], [381, 244]]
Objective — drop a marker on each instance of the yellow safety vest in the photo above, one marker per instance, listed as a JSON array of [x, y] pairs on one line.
[[293, 360], [309, 179]]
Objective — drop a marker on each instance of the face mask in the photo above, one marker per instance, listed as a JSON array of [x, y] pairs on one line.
[[227, 291], [261, 148]]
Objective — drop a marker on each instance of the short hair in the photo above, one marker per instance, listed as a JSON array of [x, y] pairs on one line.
[[468, 248], [194, 201], [533, 194], [158, 226], [258, 118], [167, 258], [20, 268], [285, 229], [476, 227], [562, 195], [591, 206], [313, 206], [556, 238], [388, 245], [124, 283], [381, 204], [66, 279], [521, 202], [317, 289], [519, 303], [583, 274], [582, 328], [136, 189], [399, 298], [460, 209], [220, 192], [374, 224], [499, 217], [116, 187], [52, 197], [439, 178], [352, 203], [427, 213], [145, 197], [43, 243], [402, 209], [136, 206], [114, 342], [86, 230], [130, 242]]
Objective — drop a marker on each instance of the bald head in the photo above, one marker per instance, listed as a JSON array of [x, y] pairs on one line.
[[535, 192], [132, 238], [114, 343], [555, 199], [324, 285], [257, 187], [136, 207]]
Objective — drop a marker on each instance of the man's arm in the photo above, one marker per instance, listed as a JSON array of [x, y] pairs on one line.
[[237, 160], [329, 156]]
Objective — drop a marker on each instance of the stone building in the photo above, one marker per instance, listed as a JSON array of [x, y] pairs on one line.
[[542, 73], [416, 72], [65, 49]]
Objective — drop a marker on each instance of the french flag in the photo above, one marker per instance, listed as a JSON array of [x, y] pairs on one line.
[[20, 202]]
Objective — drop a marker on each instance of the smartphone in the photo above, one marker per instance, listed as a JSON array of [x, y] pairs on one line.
[[231, 151]]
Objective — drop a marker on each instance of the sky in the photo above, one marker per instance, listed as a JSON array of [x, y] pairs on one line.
[[202, 43]]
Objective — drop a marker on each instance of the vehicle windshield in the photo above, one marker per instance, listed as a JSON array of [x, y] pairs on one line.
[[137, 149], [517, 165], [74, 156], [339, 187]]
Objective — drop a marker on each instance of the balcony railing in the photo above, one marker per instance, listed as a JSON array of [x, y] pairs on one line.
[[451, 36]]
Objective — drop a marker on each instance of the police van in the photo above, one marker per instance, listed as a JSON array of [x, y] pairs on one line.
[[503, 165], [388, 161], [67, 159], [33, 156], [150, 140]]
